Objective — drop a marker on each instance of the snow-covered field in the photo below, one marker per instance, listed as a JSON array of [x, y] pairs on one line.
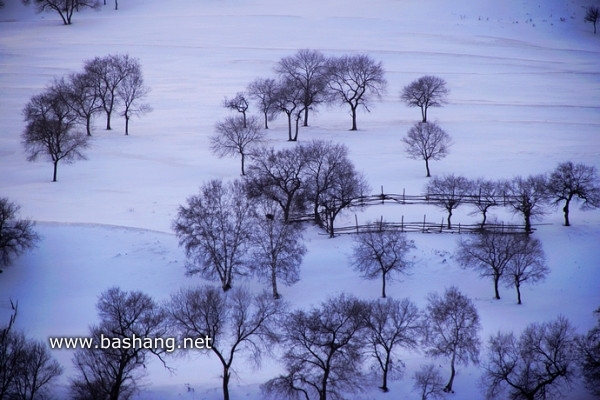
[[525, 95]]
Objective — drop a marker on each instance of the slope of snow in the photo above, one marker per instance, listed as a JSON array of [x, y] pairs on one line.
[[525, 95]]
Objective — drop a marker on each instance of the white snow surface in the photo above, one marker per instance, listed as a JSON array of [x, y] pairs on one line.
[[525, 95]]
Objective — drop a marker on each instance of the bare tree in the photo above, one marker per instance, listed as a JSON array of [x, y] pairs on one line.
[[381, 253], [574, 181], [489, 253], [591, 15], [535, 365], [131, 91], [427, 141], [238, 103], [308, 69], [111, 371], [589, 357], [449, 192], [50, 130], [277, 175], [26, 367], [237, 136], [325, 160], [392, 324], [355, 80], [64, 8], [323, 351], [288, 99], [263, 91], [452, 324], [528, 265], [16, 234], [346, 185], [427, 91], [488, 194], [214, 229], [527, 196], [277, 246], [108, 74], [233, 322], [82, 97], [428, 381]]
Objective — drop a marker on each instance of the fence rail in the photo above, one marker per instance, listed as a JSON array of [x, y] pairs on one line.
[[424, 226]]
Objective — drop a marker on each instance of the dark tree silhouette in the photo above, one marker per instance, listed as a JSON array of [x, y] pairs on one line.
[[488, 194], [392, 324], [237, 136], [428, 381], [16, 234], [589, 357], [51, 130], [323, 351], [288, 99], [381, 254], [528, 265], [489, 254], [277, 246], [355, 80], [131, 91], [308, 70], [277, 175], [263, 91], [527, 196], [27, 370], [64, 8], [449, 192], [591, 15], [427, 141], [234, 322], [214, 228], [238, 103], [453, 326], [112, 372], [82, 97], [574, 181], [427, 91], [535, 365]]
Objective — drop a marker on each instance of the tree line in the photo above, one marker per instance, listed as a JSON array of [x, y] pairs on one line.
[[65, 8], [325, 349], [55, 118]]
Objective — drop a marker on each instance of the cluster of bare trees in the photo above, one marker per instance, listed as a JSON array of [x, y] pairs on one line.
[[56, 117], [526, 196], [308, 79], [65, 8]]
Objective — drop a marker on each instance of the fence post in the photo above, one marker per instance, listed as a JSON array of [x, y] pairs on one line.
[[403, 195], [402, 224], [424, 216], [382, 196], [381, 224], [459, 227], [442, 225], [356, 221]]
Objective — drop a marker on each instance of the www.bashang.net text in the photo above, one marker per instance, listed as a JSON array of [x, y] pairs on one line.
[[168, 344]]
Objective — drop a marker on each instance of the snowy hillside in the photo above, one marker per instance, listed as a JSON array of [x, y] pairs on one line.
[[524, 96]]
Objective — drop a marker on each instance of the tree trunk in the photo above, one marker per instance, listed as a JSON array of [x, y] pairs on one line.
[[55, 170], [518, 286], [243, 159], [289, 127], [88, 125], [566, 211], [527, 223], [226, 376], [386, 368], [116, 4], [353, 117], [297, 127], [427, 168], [383, 285], [424, 114], [448, 388], [305, 116], [266, 120], [126, 125], [449, 218], [496, 279], [108, 128], [274, 283]]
